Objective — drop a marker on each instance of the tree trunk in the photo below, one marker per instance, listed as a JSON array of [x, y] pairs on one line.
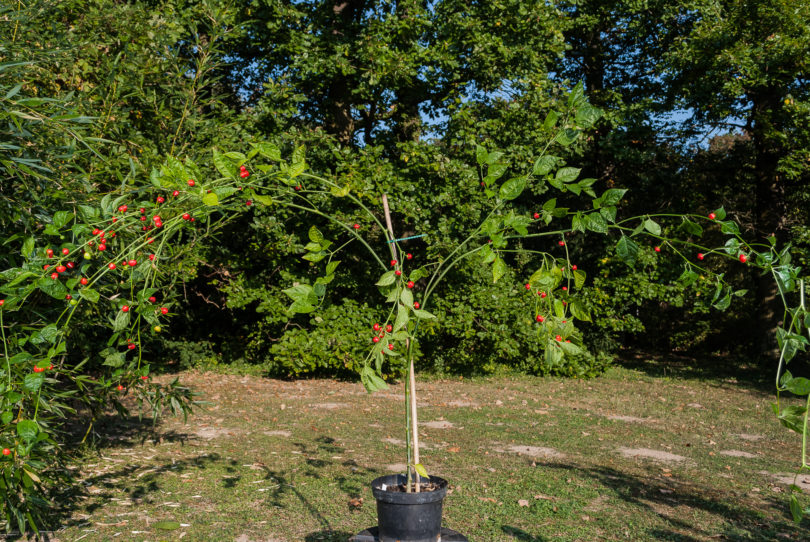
[[339, 119], [769, 214]]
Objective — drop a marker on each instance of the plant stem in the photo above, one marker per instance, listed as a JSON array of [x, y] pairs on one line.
[[411, 399]]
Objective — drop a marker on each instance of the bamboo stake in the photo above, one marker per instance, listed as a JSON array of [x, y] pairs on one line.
[[411, 376]]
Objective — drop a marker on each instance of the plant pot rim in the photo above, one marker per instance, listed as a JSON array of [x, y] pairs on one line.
[[401, 497]]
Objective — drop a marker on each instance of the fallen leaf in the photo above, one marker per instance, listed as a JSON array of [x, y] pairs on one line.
[[523, 502], [454, 449]]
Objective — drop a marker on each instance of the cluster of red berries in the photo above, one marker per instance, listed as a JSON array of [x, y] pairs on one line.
[[43, 369], [378, 328], [243, 172]]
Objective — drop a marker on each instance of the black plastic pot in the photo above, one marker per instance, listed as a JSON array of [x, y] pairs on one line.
[[408, 517]]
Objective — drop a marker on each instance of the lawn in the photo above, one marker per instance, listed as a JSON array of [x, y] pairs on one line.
[[649, 451]]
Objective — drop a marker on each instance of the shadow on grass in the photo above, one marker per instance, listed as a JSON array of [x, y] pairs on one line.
[[328, 536], [520, 534], [144, 481], [676, 502], [749, 373]]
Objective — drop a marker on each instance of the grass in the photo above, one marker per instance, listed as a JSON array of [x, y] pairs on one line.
[[528, 459]]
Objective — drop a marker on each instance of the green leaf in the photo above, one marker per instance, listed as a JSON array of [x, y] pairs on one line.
[[587, 116], [421, 470], [89, 294], [553, 354], [27, 430], [723, 303], [114, 359], [611, 196], [62, 218], [795, 508], [692, 228], [302, 292], [720, 214], [652, 226], [28, 247], [121, 321], [377, 382], [595, 222], [299, 306], [730, 227], [6, 417], [498, 269], [567, 137], [495, 172], [579, 279], [423, 315], [269, 151], [33, 381], [225, 167], [608, 213], [512, 188], [331, 266], [688, 277], [559, 309], [406, 297], [402, 317], [50, 229], [53, 288], [551, 120], [210, 199], [481, 155], [299, 155], [315, 235], [315, 256], [235, 156], [388, 278], [567, 174], [418, 273], [798, 386], [577, 95], [544, 165], [50, 333], [570, 348], [579, 312], [264, 200], [627, 250], [296, 169], [339, 192], [167, 525]]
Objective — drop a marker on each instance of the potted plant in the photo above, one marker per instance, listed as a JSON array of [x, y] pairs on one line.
[[409, 504]]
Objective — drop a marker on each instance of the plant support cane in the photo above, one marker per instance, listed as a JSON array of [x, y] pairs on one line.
[[413, 454]]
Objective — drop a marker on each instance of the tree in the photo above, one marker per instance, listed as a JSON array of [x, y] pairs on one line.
[[743, 65]]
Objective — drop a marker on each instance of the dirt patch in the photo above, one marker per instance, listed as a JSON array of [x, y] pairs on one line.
[[803, 480], [598, 504], [279, 433], [248, 538], [531, 451], [462, 404], [736, 453], [750, 438], [438, 424], [630, 419], [329, 406], [210, 433], [647, 453]]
